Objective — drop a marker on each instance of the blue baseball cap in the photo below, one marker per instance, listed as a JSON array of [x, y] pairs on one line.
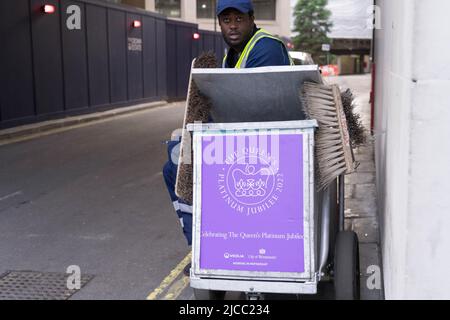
[[244, 6]]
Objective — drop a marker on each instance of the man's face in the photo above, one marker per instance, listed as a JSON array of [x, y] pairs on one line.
[[236, 27]]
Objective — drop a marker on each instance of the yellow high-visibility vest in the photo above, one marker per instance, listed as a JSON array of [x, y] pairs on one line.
[[260, 34]]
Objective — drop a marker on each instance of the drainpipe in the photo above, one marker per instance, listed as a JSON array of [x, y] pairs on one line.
[[372, 92]]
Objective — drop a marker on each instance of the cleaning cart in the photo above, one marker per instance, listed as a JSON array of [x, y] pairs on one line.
[[260, 225]]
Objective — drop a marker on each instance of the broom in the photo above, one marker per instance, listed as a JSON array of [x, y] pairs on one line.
[[355, 126], [334, 155], [198, 109]]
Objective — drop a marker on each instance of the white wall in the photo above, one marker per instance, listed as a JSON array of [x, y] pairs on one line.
[[350, 19], [150, 5], [412, 129]]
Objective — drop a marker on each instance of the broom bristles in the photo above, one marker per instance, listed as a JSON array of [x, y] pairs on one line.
[[198, 108], [355, 127], [332, 148]]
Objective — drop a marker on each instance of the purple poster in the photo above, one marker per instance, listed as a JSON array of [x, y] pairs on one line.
[[252, 203]]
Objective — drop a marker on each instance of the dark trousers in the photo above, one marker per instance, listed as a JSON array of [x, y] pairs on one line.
[[183, 210]]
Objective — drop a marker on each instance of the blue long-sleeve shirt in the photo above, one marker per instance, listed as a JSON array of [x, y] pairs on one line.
[[266, 52]]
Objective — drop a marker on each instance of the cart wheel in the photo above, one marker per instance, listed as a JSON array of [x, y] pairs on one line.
[[204, 294], [346, 266]]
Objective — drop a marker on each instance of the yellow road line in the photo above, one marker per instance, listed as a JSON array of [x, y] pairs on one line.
[[170, 278], [176, 288]]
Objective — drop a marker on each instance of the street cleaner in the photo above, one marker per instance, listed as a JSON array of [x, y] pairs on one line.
[[249, 47]]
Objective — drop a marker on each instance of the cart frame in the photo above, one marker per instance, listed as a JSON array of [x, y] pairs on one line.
[[264, 98], [258, 281]]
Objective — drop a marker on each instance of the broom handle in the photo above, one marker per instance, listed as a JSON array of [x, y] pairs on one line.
[[345, 136]]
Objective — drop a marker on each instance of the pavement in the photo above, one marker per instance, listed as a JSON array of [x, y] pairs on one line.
[[29, 131], [112, 233], [361, 213]]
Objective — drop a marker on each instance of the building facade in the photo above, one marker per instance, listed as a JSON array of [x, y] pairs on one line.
[[351, 34], [87, 56], [272, 15], [412, 113]]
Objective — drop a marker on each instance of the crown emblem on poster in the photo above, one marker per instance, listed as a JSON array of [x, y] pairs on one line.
[[250, 183]]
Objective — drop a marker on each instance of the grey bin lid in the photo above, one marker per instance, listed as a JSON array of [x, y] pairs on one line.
[[255, 94]]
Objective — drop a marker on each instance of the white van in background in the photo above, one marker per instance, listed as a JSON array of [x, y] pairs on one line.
[[301, 58]]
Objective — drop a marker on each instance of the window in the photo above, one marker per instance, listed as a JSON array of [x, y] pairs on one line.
[[206, 9], [265, 9], [133, 3], [169, 8]]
